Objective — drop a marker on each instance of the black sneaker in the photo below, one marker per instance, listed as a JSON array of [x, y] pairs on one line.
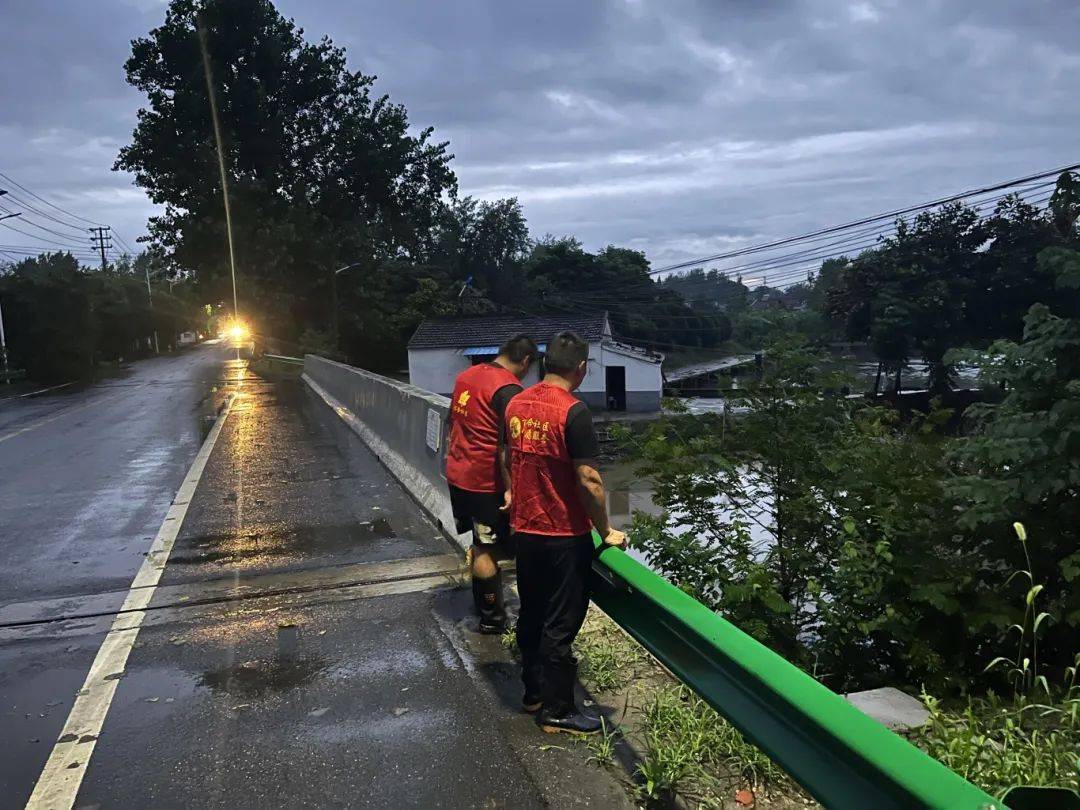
[[576, 722], [492, 626]]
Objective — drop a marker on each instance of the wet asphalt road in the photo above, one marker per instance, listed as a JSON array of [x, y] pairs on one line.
[[87, 473], [308, 644]]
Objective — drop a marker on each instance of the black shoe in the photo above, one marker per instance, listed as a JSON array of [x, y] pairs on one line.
[[492, 626], [576, 722], [530, 704]]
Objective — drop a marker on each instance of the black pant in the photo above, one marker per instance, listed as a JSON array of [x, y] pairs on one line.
[[553, 584]]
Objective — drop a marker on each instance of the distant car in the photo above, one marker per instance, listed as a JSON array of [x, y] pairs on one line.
[[187, 338]]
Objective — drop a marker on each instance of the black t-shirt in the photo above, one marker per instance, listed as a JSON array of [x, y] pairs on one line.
[[581, 438], [501, 397]]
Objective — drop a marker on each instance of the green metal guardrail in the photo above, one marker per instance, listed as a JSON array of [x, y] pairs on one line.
[[843, 758]]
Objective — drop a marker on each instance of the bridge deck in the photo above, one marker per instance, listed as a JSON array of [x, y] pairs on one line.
[[306, 646]]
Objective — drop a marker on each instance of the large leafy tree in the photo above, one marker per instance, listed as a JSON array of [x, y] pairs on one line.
[[320, 171], [951, 278], [562, 276], [907, 298], [1023, 460], [484, 243]]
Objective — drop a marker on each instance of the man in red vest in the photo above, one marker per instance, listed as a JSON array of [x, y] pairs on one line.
[[477, 492], [558, 498]]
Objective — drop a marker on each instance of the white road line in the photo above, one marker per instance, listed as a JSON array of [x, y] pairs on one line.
[[59, 782], [39, 391], [60, 415]]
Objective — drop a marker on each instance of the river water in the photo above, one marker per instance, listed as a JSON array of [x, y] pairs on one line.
[[628, 492]]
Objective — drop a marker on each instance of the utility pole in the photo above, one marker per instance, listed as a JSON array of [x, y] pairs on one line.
[[150, 297], [3, 348], [101, 240]]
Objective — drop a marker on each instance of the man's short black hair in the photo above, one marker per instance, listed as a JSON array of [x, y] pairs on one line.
[[565, 352], [517, 348]]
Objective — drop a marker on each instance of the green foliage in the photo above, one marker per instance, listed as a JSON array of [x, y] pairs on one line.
[[602, 746], [321, 172], [812, 525], [691, 750], [949, 279], [872, 551], [315, 341], [998, 744], [61, 319], [1033, 738], [607, 657], [560, 276], [759, 326], [1023, 458]]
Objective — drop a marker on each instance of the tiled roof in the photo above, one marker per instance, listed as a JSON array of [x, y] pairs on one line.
[[460, 333]]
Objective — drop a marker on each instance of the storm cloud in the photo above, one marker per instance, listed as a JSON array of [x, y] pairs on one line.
[[675, 127]]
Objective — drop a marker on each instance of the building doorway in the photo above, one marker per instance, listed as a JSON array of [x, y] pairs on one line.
[[615, 379]]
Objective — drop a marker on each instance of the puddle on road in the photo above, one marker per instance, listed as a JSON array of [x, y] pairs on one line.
[[287, 669], [255, 545], [162, 687], [259, 677]]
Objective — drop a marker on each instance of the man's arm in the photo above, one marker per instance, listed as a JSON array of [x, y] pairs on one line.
[[499, 402], [504, 468], [591, 491], [584, 447]]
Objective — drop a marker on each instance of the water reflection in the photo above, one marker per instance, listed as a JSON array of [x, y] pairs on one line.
[[628, 492], [288, 668]]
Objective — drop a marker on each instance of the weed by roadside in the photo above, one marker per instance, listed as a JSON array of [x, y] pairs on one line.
[[602, 746], [607, 657], [683, 747], [1031, 738], [691, 750], [1000, 743], [509, 639]]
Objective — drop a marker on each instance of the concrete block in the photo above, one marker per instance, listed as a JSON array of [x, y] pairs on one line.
[[890, 707]]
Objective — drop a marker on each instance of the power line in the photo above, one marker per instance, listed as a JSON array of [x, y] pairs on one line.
[[45, 228], [50, 204], [866, 220], [803, 260], [17, 198], [35, 236], [39, 249], [124, 243]]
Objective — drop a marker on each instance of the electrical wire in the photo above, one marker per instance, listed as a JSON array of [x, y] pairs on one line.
[[866, 220], [35, 236], [50, 204], [764, 267], [16, 198], [53, 231]]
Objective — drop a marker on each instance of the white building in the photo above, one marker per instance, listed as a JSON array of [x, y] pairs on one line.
[[621, 377]]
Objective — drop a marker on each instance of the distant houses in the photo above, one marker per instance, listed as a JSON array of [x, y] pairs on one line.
[[621, 377]]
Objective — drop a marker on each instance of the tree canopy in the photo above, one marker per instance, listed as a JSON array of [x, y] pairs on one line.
[[62, 319], [320, 171], [948, 279]]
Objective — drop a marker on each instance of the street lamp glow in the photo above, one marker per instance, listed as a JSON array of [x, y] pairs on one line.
[[239, 331]]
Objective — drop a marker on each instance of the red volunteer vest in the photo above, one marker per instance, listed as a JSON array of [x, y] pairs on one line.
[[471, 461], [544, 482]]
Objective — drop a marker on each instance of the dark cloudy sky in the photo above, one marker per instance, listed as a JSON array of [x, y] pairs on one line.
[[678, 127]]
